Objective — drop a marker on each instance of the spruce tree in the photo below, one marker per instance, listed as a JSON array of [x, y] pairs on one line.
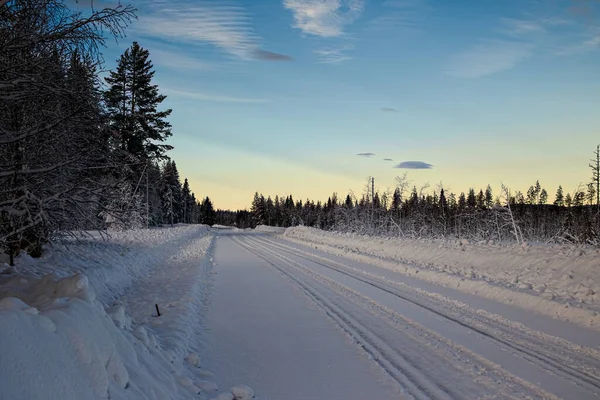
[[396, 200], [171, 193], [471, 199], [132, 102], [489, 198], [186, 197], [543, 197], [207, 212], [559, 199]]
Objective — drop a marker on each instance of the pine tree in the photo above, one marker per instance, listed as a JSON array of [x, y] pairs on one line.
[[543, 197], [443, 201], [132, 102], [396, 200], [559, 197], [489, 198], [462, 201], [591, 193], [171, 192], [533, 193], [186, 197], [348, 203], [471, 199], [258, 209], [480, 200], [568, 200], [207, 212]]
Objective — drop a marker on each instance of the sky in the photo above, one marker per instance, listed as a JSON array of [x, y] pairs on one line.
[[311, 97]]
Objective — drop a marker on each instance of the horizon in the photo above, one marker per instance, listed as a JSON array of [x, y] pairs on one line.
[[283, 97]]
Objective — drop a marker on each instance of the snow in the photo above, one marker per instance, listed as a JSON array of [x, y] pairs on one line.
[[80, 322], [260, 330], [269, 229], [311, 314], [432, 341], [556, 280]]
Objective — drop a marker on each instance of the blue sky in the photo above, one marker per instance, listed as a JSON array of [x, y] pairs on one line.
[[280, 96]]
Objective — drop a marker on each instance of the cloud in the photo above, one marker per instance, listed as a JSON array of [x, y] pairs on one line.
[[366, 154], [388, 109], [519, 27], [178, 60], [413, 165], [388, 159], [518, 39], [401, 17], [209, 97], [488, 58], [324, 18], [333, 55], [584, 46], [201, 22], [260, 54]]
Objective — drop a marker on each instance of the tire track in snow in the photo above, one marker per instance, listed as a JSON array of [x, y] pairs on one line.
[[557, 356], [411, 360]]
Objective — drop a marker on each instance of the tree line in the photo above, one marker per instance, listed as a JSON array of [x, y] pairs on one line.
[[421, 212], [76, 152]]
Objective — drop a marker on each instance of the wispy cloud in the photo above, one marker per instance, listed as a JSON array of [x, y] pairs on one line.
[[388, 159], [414, 165], [324, 18], [401, 16], [489, 57], [203, 22], [520, 38], [333, 55], [519, 27], [582, 46], [200, 96], [389, 109], [260, 54], [366, 154], [177, 60]]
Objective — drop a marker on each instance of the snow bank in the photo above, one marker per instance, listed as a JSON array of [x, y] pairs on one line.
[[561, 281], [80, 323], [58, 342], [269, 229], [113, 263]]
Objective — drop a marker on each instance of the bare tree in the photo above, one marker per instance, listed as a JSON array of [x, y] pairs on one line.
[[595, 166], [51, 136]]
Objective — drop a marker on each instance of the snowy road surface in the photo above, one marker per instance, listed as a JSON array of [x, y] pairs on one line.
[[297, 323]]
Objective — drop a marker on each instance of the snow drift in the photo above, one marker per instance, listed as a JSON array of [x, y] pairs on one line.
[[269, 229], [80, 323], [559, 280]]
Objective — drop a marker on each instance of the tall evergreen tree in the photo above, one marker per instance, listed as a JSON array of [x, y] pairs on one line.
[[543, 197], [186, 197], [489, 198], [132, 102], [207, 212], [559, 198], [171, 192], [471, 199], [443, 201], [480, 200], [396, 200]]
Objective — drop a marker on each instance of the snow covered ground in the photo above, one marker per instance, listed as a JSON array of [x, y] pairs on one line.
[[81, 322], [303, 314], [558, 281], [274, 304]]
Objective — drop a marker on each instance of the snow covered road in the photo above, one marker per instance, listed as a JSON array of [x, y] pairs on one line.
[[297, 323]]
